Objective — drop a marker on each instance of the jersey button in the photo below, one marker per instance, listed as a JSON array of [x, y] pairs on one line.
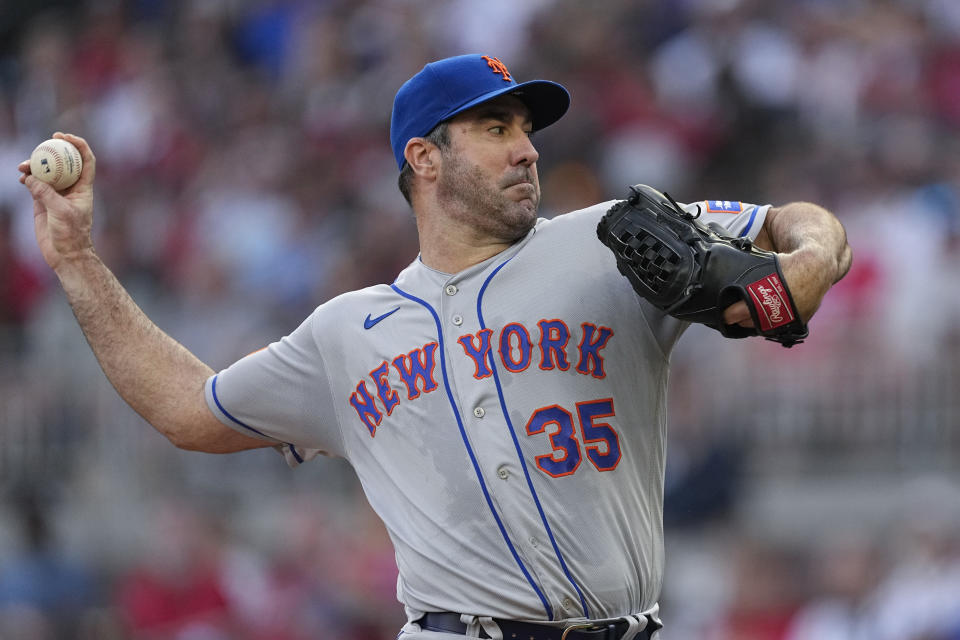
[[479, 412], [503, 472], [457, 320], [568, 604], [451, 289], [534, 542]]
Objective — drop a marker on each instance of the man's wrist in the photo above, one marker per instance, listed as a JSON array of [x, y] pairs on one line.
[[72, 266]]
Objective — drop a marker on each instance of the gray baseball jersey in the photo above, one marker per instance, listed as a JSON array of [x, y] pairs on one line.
[[507, 423]]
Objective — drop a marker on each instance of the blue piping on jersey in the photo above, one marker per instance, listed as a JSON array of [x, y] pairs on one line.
[[516, 444], [213, 390], [473, 459], [753, 215]]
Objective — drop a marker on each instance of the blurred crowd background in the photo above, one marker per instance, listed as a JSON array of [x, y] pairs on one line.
[[244, 176]]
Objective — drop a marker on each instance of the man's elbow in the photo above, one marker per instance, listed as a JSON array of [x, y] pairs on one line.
[[845, 262], [184, 437], [192, 431], [209, 436]]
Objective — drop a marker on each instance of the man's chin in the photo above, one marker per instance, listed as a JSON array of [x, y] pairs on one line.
[[525, 208], [530, 206], [525, 219]]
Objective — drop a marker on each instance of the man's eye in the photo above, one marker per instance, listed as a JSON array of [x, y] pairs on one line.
[[496, 130]]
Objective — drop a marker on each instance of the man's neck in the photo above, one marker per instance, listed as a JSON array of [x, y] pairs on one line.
[[450, 246], [453, 257]]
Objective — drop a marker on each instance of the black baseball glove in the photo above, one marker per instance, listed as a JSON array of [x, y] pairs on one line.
[[694, 272]]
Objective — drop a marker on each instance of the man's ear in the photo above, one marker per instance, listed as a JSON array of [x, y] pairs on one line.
[[422, 156]]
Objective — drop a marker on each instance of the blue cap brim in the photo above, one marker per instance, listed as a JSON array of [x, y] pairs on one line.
[[547, 101]]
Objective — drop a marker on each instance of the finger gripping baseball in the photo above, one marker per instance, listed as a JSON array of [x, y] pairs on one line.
[[693, 272]]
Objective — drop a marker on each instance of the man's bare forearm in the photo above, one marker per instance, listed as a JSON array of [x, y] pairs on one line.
[[806, 227], [813, 249], [157, 376]]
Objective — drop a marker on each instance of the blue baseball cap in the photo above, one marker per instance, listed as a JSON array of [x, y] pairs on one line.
[[444, 88]]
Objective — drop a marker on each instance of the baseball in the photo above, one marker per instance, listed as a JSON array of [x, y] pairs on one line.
[[56, 162]]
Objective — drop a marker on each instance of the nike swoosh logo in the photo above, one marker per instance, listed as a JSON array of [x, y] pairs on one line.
[[369, 323]]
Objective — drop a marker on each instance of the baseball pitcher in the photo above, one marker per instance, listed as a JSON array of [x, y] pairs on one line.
[[503, 401]]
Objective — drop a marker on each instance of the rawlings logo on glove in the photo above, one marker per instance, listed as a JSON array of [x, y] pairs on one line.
[[694, 272]]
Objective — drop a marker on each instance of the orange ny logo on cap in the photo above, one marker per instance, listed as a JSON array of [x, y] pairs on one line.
[[498, 67]]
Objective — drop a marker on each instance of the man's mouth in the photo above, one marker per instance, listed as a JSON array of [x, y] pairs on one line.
[[523, 185], [519, 180]]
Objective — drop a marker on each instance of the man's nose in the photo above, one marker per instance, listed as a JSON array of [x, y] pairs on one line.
[[526, 154]]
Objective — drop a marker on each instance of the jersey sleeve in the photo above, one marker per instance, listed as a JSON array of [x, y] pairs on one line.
[[740, 219], [280, 394]]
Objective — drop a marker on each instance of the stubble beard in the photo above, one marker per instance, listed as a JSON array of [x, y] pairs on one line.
[[488, 209]]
